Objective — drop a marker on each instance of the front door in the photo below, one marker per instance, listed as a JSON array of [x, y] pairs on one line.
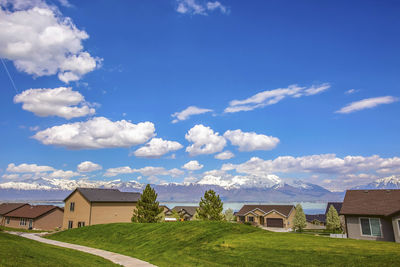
[[261, 220], [30, 224]]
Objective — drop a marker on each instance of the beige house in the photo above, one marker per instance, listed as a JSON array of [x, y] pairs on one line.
[[278, 216], [8, 207], [39, 217], [89, 206]]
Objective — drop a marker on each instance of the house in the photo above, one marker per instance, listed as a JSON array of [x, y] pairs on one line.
[[372, 214], [40, 217], [8, 207], [89, 206], [186, 213], [280, 216], [315, 221], [168, 214]]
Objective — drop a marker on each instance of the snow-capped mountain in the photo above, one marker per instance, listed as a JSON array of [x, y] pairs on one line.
[[391, 182]]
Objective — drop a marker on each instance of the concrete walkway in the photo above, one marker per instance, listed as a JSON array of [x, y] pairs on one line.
[[111, 256]]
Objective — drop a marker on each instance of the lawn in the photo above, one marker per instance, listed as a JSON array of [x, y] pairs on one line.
[[229, 244], [19, 251], [4, 228]]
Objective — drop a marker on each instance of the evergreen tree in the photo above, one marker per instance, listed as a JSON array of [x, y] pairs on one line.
[[147, 208], [211, 207], [332, 219], [228, 214], [299, 221]]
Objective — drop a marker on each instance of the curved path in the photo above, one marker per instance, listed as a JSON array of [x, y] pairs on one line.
[[111, 256]]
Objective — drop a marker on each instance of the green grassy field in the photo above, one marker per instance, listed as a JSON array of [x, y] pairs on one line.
[[229, 244], [19, 251], [4, 228]]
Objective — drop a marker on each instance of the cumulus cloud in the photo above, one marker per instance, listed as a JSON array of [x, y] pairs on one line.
[[145, 171], [193, 165], [95, 133], [23, 168], [47, 43], [204, 140], [193, 7], [224, 155], [60, 174], [271, 97], [189, 111], [250, 141], [367, 103], [111, 172], [62, 102], [88, 166], [156, 148]]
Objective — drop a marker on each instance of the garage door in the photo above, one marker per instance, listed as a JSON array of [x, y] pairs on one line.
[[274, 222]]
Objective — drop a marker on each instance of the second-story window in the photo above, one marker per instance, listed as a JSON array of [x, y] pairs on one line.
[[72, 206]]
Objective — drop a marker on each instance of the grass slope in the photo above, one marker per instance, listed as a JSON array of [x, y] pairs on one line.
[[219, 244], [19, 251], [5, 228]]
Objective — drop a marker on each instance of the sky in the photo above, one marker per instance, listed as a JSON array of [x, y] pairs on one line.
[[213, 92]]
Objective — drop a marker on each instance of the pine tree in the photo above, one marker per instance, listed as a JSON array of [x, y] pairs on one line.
[[211, 207], [332, 219], [299, 221], [147, 208]]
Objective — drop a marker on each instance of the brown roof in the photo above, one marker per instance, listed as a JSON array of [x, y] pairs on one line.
[[8, 207], [191, 210], [106, 195], [283, 209], [371, 202], [31, 212]]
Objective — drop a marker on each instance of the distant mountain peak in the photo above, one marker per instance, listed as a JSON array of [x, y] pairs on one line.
[[390, 182]]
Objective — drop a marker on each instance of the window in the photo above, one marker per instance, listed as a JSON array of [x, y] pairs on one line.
[[250, 219], [22, 221], [81, 224], [70, 224], [72, 206], [371, 226], [8, 220], [242, 218]]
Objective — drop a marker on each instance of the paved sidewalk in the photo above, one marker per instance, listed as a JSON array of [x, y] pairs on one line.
[[114, 257]]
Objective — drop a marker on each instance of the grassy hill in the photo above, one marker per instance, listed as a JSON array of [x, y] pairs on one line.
[[228, 244], [19, 251]]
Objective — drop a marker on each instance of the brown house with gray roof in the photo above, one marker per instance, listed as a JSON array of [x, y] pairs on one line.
[[279, 216], [8, 207], [40, 217], [187, 213], [89, 206], [372, 214]]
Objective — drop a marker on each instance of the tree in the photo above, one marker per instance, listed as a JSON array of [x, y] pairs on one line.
[[211, 207], [299, 221], [228, 214], [147, 208], [332, 219]]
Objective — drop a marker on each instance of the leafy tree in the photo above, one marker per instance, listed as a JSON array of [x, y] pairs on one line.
[[147, 208], [332, 219], [211, 207], [299, 221], [228, 214]]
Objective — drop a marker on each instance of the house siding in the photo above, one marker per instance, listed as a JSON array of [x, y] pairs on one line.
[[287, 221], [396, 230], [81, 212], [109, 212], [354, 229], [14, 223], [49, 221]]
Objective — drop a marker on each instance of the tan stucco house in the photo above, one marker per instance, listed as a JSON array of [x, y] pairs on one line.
[[89, 206], [8, 207], [186, 213], [279, 216], [38, 217], [372, 214]]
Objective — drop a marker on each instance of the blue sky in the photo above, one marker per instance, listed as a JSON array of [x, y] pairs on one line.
[[142, 61]]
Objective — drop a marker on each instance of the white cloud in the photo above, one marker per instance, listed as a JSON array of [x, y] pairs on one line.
[[46, 42], [189, 180], [60, 174], [271, 97], [367, 103], [98, 132], [224, 155], [250, 141], [62, 102], [204, 140], [88, 166], [145, 171], [351, 91], [22, 168], [189, 111], [12, 176], [193, 165], [111, 172], [156, 148], [193, 7]]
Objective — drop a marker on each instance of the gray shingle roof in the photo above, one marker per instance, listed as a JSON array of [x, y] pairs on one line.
[[191, 210], [107, 195], [283, 209]]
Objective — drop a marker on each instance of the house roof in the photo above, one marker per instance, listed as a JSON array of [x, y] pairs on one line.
[[31, 212], [282, 209], [106, 195], [336, 205], [313, 217], [191, 210], [8, 207], [371, 202]]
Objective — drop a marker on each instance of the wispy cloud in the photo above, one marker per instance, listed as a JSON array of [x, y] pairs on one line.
[[271, 97], [193, 7], [351, 91], [367, 103], [189, 111]]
